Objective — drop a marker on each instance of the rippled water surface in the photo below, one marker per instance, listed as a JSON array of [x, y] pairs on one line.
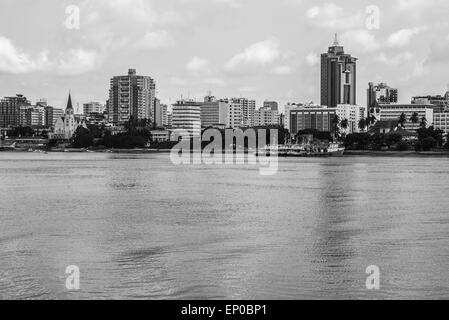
[[141, 228]]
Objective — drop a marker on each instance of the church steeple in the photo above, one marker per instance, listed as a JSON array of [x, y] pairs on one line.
[[69, 109]]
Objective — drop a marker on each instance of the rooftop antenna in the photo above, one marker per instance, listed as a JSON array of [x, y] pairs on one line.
[[336, 44]]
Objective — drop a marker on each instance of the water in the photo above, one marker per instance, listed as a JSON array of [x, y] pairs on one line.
[[139, 227]]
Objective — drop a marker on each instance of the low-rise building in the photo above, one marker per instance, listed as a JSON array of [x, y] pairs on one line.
[[394, 112]]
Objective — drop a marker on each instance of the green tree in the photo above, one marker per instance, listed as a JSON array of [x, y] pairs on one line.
[[344, 124]]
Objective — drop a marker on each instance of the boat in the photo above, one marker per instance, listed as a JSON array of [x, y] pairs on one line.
[[303, 150]]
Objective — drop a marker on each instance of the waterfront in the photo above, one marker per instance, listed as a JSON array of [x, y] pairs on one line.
[[140, 227]]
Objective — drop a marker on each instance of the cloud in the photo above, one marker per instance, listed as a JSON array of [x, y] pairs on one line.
[[156, 40], [197, 65], [403, 37], [312, 59], [361, 39], [331, 16], [73, 61], [14, 60], [395, 60], [257, 55], [283, 70]]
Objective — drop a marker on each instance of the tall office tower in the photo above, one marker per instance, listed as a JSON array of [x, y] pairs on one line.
[[187, 118], [380, 93], [248, 109], [131, 96], [338, 77], [272, 105], [11, 111]]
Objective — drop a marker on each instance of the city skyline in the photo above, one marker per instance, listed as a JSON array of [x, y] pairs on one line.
[[265, 61]]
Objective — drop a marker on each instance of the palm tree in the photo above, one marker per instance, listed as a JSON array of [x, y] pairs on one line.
[[402, 120], [344, 124], [415, 118], [362, 124], [423, 122]]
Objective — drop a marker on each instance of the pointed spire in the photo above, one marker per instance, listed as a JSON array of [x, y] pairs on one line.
[[69, 102], [336, 44]]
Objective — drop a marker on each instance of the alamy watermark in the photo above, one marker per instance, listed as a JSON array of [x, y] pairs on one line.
[[236, 147], [373, 280], [72, 282]]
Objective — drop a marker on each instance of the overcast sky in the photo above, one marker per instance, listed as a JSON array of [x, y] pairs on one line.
[[262, 49]]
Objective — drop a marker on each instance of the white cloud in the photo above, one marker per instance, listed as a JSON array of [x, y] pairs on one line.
[[312, 59], [403, 37], [156, 39], [73, 61], [360, 40], [197, 65], [283, 70], [395, 60], [331, 16], [14, 60], [256, 55]]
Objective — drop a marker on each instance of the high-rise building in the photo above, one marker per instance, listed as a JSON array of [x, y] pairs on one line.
[[131, 96], [380, 94], [248, 109], [338, 77], [11, 111], [187, 118]]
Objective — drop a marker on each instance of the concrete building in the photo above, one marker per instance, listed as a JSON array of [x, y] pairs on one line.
[[338, 77], [266, 117], [441, 121], [187, 118], [353, 114], [380, 93], [160, 114], [214, 113], [131, 96], [52, 115], [247, 108], [320, 119], [439, 103], [272, 105], [10, 111], [93, 107], [394, 112]]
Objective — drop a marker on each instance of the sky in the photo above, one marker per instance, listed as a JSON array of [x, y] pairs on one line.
[[260, 49]]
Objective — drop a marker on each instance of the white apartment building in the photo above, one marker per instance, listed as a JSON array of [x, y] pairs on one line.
[[441, 121], [248, 109], [93, 107], [186, 118], [394, 112], [353, 114], [266, 117]]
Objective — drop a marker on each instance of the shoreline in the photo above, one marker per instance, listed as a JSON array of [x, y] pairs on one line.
[[396, 153], [347, 153]]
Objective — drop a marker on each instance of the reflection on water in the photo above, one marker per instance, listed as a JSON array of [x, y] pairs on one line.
[[140, 228]]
